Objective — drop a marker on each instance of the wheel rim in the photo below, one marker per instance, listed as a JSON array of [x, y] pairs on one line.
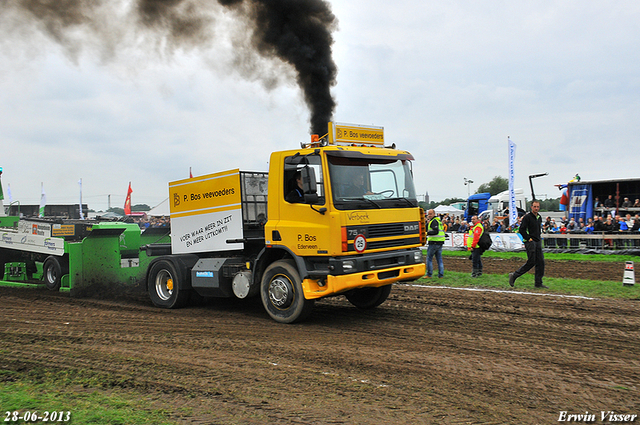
[[52, 276], [280, 291], [164, 285]]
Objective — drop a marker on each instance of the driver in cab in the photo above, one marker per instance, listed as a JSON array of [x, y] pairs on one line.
[[357, 188]]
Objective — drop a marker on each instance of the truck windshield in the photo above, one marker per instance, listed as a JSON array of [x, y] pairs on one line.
[[368, 183], [472, 209]]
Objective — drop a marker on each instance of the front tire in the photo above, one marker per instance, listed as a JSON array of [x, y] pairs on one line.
[[282, 294], [163, 285], [52, 271], [368, 298]]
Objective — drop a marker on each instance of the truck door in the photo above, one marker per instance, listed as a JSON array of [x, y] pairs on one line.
[[304, 223]]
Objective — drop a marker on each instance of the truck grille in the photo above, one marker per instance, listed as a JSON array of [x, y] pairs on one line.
[[411, 231], [389, 243], [382, 230]]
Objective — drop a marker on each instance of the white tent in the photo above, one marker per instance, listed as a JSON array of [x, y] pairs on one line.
[[448, 209], [162, 209]]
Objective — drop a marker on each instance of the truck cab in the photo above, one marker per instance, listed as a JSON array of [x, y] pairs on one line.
[[498, 206], [476, 204], [341, 218], [357, 227], [488, 207]]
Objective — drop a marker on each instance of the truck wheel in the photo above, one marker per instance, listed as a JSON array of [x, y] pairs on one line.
[[368, 298], [52, 272], [164, 286], [282, 295]]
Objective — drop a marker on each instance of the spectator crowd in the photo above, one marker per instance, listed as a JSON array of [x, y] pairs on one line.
[[147, 221], [457, 224], [604, 222]]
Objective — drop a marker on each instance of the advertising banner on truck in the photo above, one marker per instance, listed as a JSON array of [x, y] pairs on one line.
[[34, 228], [206, 211], [32, 243]]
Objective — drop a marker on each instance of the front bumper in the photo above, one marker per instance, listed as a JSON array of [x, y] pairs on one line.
[[333, 285]]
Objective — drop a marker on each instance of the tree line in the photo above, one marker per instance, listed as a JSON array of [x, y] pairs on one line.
[[497, 185]]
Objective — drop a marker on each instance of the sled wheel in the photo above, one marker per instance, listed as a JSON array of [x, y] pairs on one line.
[[52, 271]]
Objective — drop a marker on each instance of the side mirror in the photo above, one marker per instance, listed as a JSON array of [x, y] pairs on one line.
[[309, 185], [308, 180]]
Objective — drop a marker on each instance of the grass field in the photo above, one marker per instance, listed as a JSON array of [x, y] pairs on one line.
[[66, 399], [548, 256], [578, 287]]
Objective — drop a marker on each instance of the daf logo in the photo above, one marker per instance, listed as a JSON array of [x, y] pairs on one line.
[[410, 228]]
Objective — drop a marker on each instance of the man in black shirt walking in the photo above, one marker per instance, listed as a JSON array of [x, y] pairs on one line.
[[530, 230]]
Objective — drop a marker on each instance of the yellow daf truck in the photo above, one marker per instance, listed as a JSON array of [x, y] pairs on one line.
[[339, 216]]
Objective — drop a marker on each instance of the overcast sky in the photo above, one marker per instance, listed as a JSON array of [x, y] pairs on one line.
[[448, 80]]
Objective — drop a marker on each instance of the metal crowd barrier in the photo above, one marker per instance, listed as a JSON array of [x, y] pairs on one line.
[[597, 240]]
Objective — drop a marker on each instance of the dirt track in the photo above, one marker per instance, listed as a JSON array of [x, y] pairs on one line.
[[428, 355]]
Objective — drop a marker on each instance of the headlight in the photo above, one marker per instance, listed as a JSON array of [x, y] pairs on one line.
[[348, 265], [417, 256]]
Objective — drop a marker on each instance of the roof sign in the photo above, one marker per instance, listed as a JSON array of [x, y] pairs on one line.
[[349, 134]]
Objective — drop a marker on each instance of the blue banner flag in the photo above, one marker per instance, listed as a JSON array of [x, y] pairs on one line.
[[580, 202], [513, 211]]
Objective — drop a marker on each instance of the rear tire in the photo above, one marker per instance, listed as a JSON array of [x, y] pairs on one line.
[[282, 294], [368, 298], [163, 285], [52, 271]]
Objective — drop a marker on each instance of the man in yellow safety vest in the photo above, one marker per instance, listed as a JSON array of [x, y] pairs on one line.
[[435, 240]]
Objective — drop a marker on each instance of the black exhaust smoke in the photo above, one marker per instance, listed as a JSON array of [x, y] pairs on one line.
[[298, 32]]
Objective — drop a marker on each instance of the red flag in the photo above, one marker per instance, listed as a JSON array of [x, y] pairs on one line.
[[190, 175], [127, 202]]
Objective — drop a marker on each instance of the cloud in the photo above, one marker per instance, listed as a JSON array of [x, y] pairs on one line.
[[449, 81]]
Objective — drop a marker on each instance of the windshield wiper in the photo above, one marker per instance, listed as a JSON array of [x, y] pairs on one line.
[[374, 203], [411, 204]]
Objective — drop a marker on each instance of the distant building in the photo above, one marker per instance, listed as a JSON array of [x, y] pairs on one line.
[[50, 211], [426, 197]]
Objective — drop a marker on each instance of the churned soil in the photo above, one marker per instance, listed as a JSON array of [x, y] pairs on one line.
[[592, 270], [427, 355]]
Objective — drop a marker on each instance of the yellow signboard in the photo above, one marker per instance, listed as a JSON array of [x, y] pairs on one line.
[[206, 213], [63, 230], [351, 133], [212, 192]]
